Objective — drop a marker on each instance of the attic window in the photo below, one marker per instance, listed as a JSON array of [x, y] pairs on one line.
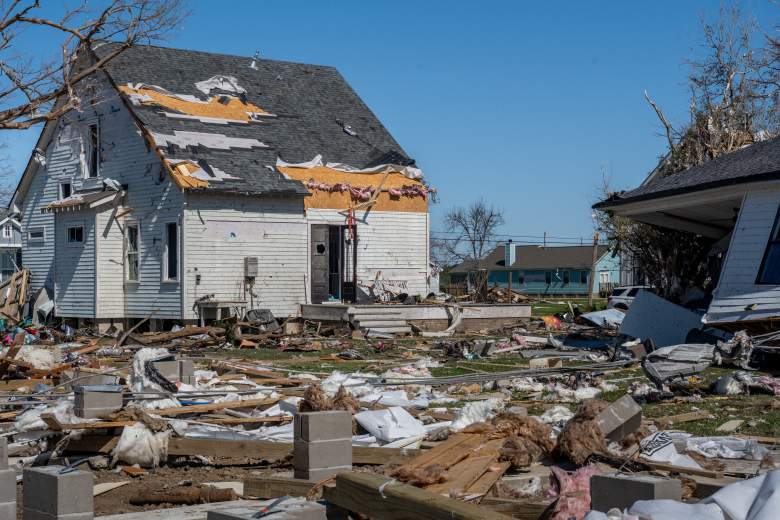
[[769, 273]]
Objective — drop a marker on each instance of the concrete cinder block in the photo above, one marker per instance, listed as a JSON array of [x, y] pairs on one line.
[[3, 452], [621, 491], [322, 454], [97, 401], [46, 491], [8, 510], [7, 485], [317, 474], [297, 509], [620, 418], [186, 368], [168, 369], [323, 426], [31, 514]]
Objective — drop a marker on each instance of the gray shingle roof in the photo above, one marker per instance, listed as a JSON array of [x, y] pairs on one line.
[[312, 104], [757, 162], [536, 257]]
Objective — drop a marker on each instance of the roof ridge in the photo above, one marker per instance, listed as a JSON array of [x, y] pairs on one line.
[[197, 51]]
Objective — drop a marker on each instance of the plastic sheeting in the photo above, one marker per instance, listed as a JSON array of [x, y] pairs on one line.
[[390, 424], [408, 171], [139, 445], [476, 411]]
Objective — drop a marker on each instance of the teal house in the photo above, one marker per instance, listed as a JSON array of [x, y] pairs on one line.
[[559, 270]]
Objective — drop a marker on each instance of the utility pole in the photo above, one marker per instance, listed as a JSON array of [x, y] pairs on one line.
[[592, 278]]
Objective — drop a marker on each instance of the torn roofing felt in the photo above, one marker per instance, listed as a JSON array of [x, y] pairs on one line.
[[221, 125]]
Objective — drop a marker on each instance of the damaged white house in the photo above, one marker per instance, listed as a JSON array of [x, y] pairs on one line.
[[190, 184], [735, 200]]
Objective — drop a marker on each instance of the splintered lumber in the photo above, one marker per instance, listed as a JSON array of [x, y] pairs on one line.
[[274, 487], [465, 473], [151, 339], [485, 483], [449, 452], [382, 498]]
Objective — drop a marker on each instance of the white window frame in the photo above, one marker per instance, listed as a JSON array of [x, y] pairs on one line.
[[165, 270], [8, 231], [93, 149], [62, 192], [30, 231], [137, 253], [74, 243]]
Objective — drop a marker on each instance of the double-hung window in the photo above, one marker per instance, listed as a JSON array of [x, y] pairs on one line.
[[171, 256], [131, 252]]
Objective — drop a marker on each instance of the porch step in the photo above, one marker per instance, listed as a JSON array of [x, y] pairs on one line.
[[374, 323], [378, 319], [398, 329], [373, 311]]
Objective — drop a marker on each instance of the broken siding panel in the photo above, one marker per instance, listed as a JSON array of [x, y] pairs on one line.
[[220, 231], [392, 246], [737, 287], [75, 266]]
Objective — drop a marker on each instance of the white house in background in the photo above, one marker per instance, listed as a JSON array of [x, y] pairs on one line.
[[735, 200], [190, 183], [10, 244]]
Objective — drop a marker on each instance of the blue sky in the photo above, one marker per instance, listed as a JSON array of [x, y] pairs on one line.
[[525, 104]]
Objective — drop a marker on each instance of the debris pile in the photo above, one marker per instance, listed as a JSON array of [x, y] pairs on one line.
[[502, 421]]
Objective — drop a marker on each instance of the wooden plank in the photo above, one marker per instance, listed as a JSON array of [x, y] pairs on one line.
[[683, 417], [381, 456], [102, 444], [681, 469], [274, 487], [272, 451], [360, 492], [464, 474], [449, 452], [485, 483], [211, 407]]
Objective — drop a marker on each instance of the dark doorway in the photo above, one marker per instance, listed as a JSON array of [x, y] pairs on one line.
[[332, 258]]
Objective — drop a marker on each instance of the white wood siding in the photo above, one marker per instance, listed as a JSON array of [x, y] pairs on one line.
[[737, 287], [152, 196], [110, 277], [219, 231], [392, 246], [75, 266]]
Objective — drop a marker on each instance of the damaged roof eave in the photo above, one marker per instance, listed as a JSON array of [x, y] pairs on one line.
[[624, 206]]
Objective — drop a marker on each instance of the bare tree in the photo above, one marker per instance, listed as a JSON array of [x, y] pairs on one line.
[[472, 230], [42, 88], [732, 105]]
